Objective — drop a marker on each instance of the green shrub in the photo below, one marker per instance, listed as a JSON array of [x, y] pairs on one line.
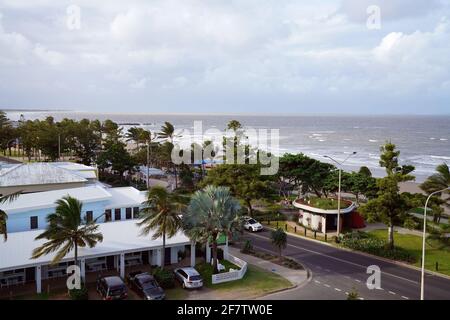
[[247, 247], [79, 294], [165, 278], [362, 241]]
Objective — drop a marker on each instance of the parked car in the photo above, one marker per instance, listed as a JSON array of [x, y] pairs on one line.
[[145, 285], [189, 278], [112, 288], [251, 224]]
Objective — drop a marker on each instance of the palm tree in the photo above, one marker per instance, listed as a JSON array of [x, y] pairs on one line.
[[438, 181], [4, 215], [66, 231], [161, 215], [212, 212], [133, 134], [279, 240], [167, 133]]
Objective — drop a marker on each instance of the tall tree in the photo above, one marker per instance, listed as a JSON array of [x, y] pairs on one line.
[[244, 181], [4, 215], [279, 240], [168, 134], [212, 212], [438, 181], [161, 215], [67, 230], [390, 206]]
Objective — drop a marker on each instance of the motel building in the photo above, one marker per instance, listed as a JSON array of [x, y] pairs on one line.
[[116, 211], [325, 221]]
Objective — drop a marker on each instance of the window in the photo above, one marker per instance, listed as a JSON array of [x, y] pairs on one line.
[[89, 216], [117, 214], [107, 215], [135, 212], [34, 222], [128, 213]]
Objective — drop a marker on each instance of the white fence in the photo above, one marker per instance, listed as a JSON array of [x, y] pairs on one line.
[[231, 275]]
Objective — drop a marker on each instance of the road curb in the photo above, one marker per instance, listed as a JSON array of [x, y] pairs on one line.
[[293, 287], [399, 263]]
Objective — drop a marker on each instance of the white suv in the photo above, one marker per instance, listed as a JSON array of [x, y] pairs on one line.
[[189, 278], [251, 224]]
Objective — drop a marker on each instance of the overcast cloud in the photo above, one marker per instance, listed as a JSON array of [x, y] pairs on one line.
[[226, 56]]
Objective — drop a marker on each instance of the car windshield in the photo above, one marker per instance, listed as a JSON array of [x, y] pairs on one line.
[[149, 284], [252, 221], [195, 278], [117, 291]]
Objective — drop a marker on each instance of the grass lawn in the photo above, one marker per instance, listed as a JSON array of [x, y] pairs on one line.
[[325, 203], [412, 243], [256, 282]]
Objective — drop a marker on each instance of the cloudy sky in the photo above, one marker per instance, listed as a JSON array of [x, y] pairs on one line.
[[226, 56]]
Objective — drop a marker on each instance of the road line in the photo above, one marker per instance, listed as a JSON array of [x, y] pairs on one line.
[[317, 281], [357, 280], [391, 292], [327, 285], [337, 289], [361, 298], [406, 298], [346, 293], [338, 259]]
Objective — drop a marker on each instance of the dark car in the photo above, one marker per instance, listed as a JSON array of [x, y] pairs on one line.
[[146, 286], [112, 288]]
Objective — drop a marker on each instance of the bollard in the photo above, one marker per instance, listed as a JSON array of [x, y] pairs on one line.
[[268, 222], [325, 237], [437, 266], [277, 224], [315, 233], [295, 229], [305, 232], [285, 227]]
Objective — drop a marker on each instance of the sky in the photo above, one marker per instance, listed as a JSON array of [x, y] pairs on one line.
[[226, 56]]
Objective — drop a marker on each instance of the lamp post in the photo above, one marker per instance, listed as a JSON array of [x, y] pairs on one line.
[[338, 227], [422, 280]]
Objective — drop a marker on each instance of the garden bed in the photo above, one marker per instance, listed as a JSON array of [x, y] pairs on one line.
[[285, 262]]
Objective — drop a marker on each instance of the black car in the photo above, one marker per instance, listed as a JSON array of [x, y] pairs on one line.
[[146, 285], [112, 288]]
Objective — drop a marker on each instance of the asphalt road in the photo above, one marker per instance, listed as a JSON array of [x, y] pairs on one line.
[[336, 272]]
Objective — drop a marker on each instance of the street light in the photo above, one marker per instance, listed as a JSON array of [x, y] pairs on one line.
[[422, 281], [339, 189]]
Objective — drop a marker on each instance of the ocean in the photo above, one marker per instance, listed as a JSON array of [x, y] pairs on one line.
[[422, 140]]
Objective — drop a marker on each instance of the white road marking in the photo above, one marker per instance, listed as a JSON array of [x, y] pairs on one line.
[[327, 285], [357, 280], [346, 293], [406, 298], [337, 259], [391, 292], [337, 289], [317, 281], [361, 298]]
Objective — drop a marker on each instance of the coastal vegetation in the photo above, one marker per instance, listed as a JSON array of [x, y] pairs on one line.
[[119, 154]]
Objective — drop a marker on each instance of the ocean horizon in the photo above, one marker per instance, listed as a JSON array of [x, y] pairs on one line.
[[422, 139]]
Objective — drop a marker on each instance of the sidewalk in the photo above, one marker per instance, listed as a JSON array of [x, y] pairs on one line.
[[296, 277]]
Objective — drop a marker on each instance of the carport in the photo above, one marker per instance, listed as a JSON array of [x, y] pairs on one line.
[[122, 246]]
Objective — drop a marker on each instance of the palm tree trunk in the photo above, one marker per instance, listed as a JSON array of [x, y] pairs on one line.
[[249, 207], [214, 248], [391, 235], [76, 254], [163, 253]]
